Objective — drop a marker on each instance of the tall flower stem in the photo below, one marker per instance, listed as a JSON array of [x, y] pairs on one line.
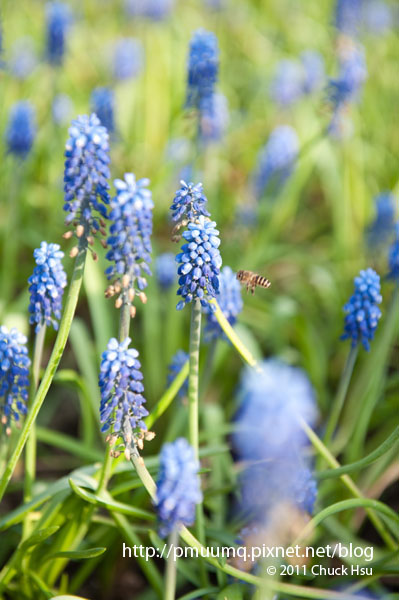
[[59, 345], [170, 575], [339, 399], [11, 237], [30, 450]]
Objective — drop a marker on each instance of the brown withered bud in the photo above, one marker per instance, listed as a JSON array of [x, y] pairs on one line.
[[94, 256], [67, 235], [103, 243], [118, 302], [110, 291], [132, 311], [131, 293], [102, 222], [127, 453], [80, 230], [140, 443], [74, 252], [117, 286], [103, 231], [4, 419], [90, 240], [8, 431], [125, 281], [143, 297], [149, 435]]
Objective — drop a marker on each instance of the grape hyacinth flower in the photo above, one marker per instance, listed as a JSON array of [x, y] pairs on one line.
[[271, 404], [130, 240], [21, 129], [46, 287], [61, 109], [314, 74], [178, 487], [214, 119], [85, 176], [121, 408], [276, 160], [23, 58], [102, 104], [362, 311], [393, 257], [157, 10], [165, 269], [348, 14], [128, 58], [383, 225], [203, 66], [58, 17], [286, 87], [189, 202], [176, 365], [229, 300], [200, 263], [14, 376], [377, 16], [352, 75]]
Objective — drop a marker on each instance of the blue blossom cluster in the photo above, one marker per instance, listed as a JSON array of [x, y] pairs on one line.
[[61, 109], [276, 161], [130, 239], [23, 59], [352, 16], [165, 269], [189, 202], [178, 486], [14, 376], [383, 226], [102, 104], [362, 311], [378, 16], [200, 263], [157, 10], [58, 21], [203, 67], [128, 58], [393, 257], [120, 381], [176, 365], [230, 302], [348, 14], [21, 129], [314, 71], [47, 285], [214, 121], [271, 441], [293, 78], [86, 172]]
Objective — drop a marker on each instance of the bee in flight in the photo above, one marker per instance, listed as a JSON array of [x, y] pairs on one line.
[[252, 280]]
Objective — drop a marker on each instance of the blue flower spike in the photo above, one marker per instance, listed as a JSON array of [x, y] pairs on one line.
[[362, 311], [178, 486], [393, 257], [203, 67], [103, 105], [14, 377], [21, 129], [58, 18], [86, 173], [130, 241], [230, 302], [46, 287], [122, 402]]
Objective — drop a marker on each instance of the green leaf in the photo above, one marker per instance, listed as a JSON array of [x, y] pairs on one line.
[[68, 597], [78, 554], [231, 592], [201, 593], [94, 283], [38, 538]]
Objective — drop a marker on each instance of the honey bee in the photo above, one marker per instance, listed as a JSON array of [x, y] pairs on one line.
[[252, 280]]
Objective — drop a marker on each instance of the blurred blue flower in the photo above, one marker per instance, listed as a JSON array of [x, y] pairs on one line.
[[14, 376], [102, 104], [268, 484], [130, 239], [203, 66], [47, 285], [61, 109], [393, 257], [377, 16], [362, 311], [151, 9], [120, 381], [174, 368], [200, 263], [189, 202], [352, 74], [165, 269], [21, 129], [276, 160], [271, 404], [178, 486], [381, 229], [86, 172], [314, 73], [229, 300], [23, 59], [214, 119], [58, 19], [128, 58], [287, 83], [348, 14]]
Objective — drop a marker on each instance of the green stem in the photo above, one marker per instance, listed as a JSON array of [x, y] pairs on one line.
[[341, 393], [170, 575], [30, 450], [207, 371], [195, 333], [55, 358]]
